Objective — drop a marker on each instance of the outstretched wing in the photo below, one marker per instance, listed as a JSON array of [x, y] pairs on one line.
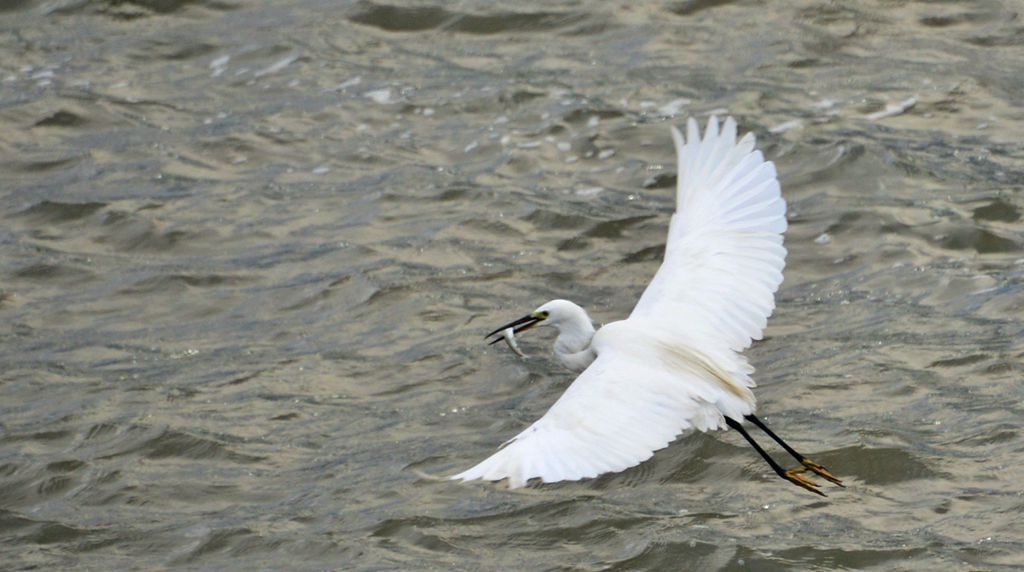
[[618, 412], [724, 256]]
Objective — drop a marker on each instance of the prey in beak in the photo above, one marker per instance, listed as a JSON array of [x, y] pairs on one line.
[[508, 331]]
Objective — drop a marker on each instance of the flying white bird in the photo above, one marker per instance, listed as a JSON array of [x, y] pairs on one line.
[[675, 363]]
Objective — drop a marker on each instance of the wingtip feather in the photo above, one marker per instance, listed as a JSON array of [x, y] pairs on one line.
[[677, 139], [711, 131]]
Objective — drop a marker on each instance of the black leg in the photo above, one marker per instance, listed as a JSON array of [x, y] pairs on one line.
[[816, 468], [760, 424], [791, 476], [735, 425]]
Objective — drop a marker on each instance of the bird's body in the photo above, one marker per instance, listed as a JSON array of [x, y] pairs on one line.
[[674, 363]]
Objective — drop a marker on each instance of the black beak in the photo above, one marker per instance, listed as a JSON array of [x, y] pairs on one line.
[[520, 325]]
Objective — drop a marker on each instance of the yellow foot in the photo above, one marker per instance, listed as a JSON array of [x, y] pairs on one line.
[[794, 476], [822, 472]]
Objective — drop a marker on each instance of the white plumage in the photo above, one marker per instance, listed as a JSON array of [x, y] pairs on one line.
[[674, 363]]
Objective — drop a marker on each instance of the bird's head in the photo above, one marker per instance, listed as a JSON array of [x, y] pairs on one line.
[[551, 313]]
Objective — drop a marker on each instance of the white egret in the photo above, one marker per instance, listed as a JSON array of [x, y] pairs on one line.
[[675, 363]]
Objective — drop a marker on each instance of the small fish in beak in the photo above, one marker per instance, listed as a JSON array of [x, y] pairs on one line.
[[508, 331], [509, 335]]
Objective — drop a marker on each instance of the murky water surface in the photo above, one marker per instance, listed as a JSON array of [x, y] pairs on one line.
[[248, 251]]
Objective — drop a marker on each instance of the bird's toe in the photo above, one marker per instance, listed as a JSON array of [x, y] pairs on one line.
[[794, 476], [822, 472]]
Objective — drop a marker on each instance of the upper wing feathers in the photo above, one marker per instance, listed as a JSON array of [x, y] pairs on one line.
[[724, 256], [641, 392], [588, 432]]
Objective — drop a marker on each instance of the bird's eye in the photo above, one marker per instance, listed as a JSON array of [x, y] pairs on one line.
[[543, 314]]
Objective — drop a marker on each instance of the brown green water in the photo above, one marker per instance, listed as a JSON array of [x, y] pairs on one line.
[[248, 252]]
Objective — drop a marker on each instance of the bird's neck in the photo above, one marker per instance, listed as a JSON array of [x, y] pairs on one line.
[[572, 347]]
